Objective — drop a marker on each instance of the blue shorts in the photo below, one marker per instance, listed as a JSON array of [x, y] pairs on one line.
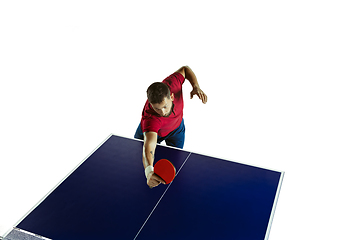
[[175, 138]]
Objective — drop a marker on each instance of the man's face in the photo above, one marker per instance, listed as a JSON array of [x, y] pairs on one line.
[[164, 108]]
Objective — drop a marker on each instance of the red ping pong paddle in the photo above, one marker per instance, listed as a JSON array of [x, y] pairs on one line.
[[165, 169]]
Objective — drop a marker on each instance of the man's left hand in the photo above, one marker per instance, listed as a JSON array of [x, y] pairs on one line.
[[197, 91]]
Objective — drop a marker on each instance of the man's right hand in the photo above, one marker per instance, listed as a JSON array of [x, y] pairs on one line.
[[154, 180]]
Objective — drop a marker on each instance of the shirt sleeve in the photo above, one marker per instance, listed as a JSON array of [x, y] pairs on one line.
[[150, 124], [176, 80]]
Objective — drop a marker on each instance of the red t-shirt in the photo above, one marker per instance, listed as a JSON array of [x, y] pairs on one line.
[[151, 121]]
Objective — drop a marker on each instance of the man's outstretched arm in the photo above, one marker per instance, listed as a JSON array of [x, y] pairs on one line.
[[150, 140], [190, 75]]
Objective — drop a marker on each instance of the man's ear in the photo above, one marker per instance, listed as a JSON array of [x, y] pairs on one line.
[[172, 96]]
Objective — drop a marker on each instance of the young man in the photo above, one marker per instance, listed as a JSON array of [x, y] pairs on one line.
[[162, 117]]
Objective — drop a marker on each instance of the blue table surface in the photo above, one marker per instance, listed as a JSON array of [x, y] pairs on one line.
[[107, 197]]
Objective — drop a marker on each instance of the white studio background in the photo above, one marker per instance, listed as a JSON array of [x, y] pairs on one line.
[[282, 78]]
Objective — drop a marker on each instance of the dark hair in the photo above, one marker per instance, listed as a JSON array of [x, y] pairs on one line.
[[157, 91]]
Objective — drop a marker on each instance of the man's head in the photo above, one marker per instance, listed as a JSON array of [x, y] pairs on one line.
[[160, 98]]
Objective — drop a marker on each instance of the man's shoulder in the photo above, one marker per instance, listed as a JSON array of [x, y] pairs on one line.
[[175, 79], [151, 123]]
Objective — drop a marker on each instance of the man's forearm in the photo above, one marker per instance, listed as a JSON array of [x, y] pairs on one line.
[[149, 148], [148, 157], [190, 75]]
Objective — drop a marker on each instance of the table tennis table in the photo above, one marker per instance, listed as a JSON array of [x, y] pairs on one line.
[[106, 197]]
